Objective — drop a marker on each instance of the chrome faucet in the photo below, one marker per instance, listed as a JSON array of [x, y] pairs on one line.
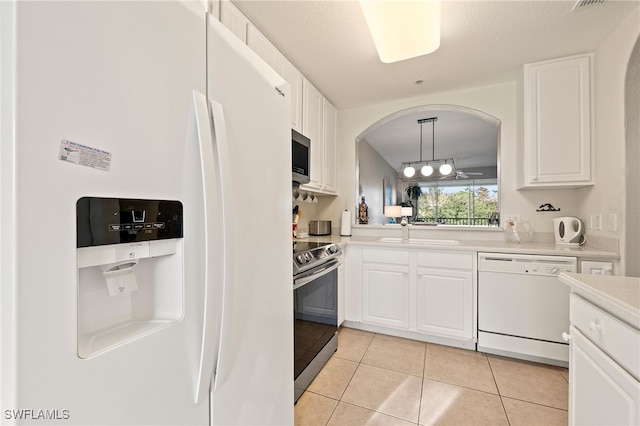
[[405, 228]]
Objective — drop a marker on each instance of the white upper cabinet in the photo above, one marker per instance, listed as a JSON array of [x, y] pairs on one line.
[[232, 18], [262, 46], [294, 77], [319, 119], [329, 177], [312, 127], [272, 56], [311, 113], [557, 123], [215, 8]]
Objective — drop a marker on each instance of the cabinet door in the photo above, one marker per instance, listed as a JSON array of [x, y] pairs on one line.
[[329, 177], [600, 391], [445, 302], [232, 18], [262, 46], [312, 116], [385, 295], [294, 77], [276, 60], [557, 124]]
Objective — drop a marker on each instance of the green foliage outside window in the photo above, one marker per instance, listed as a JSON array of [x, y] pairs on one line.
[[472, 203]]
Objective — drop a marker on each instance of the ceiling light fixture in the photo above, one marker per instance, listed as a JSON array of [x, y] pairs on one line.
[[403, 29], [445, 166]]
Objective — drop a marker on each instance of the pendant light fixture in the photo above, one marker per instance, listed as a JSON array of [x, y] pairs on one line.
[[445, 166]]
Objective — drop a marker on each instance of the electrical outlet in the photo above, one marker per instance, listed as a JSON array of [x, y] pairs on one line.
[[613, 222], [597, 223]]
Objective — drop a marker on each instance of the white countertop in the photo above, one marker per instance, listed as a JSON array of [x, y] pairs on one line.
[[618, 295], [549, 249]]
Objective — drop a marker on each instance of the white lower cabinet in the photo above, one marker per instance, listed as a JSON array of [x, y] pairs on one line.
[[604, 367], [444, 302], [600, 391], [415, 293], [385, 294]]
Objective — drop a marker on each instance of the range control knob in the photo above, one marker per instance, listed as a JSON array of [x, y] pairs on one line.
[[332, 249], [301, 259]]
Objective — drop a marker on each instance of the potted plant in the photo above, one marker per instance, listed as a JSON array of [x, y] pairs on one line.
[[413, 192]]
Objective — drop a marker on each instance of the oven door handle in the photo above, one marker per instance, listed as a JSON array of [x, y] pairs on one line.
[[297, 283]]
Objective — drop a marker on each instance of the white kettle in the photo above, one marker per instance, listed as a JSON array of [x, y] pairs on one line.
[[569, 230]]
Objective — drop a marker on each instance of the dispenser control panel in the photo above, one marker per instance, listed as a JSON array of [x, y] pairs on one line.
[[102, 221]]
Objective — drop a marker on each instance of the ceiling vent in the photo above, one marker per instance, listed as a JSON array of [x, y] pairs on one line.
[[581, 4]]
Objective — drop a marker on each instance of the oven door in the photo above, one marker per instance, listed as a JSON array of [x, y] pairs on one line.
[[315, 307]]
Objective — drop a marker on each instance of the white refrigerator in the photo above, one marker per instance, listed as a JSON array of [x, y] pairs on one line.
[[142, 101]]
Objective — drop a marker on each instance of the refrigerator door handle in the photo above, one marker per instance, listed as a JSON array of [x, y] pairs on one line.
[[221, 150], [209, 331]]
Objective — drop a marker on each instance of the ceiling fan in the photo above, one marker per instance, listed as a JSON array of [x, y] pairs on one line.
[[461, 174]]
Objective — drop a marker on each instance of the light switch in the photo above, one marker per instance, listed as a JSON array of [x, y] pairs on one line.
[[597, 224], [613, 222]]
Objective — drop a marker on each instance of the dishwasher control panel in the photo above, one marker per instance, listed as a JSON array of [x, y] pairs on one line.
[[544, 269], [526, 264]]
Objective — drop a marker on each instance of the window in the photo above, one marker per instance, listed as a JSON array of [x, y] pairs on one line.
[[471, 203]]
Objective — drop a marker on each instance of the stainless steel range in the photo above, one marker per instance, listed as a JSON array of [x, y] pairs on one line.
[[315, 309]]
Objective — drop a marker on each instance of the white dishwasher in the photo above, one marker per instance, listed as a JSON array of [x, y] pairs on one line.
[[523, 308]]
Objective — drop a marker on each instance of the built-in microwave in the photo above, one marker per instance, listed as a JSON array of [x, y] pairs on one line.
[[300, 150]]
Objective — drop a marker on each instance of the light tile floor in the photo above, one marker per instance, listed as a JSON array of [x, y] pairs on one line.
[[374, 379]]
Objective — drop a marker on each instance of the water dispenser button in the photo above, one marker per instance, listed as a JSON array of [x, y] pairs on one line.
[[138, 216]]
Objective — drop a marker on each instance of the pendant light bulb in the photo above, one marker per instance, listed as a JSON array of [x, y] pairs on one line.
[[427, 170], [409, 171], [446, 168]]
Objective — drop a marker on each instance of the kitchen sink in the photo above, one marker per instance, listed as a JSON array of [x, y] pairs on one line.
[[425, 241]]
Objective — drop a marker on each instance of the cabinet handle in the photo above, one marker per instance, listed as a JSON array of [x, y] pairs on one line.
[[566, 337], [595, 326]]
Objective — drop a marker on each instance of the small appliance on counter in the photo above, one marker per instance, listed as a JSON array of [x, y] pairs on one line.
[[569, 231], [320, 227]]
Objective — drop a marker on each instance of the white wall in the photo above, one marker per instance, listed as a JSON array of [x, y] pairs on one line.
[[307, 211], [608, 194], [503, 101], [632, 208], [370, 184]]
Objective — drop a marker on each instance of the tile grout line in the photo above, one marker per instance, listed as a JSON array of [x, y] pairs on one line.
[[349, 382], [424, 370], [498, 389], [360, 362], [376, 411], [551, 367]]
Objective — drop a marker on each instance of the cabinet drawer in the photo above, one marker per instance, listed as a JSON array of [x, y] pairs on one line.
[[619, 340], [396, 257], [445, 260]]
